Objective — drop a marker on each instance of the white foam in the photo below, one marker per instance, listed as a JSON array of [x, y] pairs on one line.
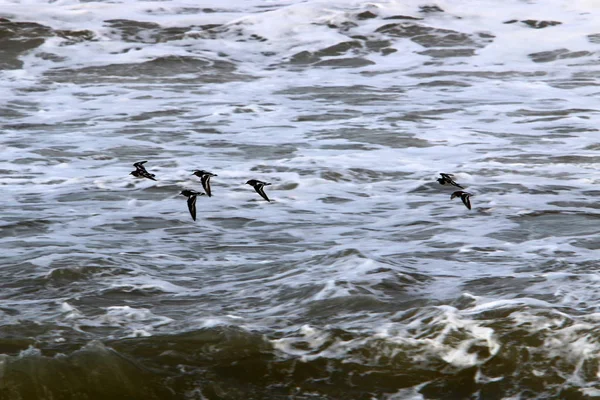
[[137, 321]]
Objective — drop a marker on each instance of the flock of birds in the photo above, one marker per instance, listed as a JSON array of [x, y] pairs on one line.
[[464, 196], [141, 172], [192, 195]]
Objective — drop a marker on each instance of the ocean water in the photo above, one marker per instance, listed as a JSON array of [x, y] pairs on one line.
[[362, 279]]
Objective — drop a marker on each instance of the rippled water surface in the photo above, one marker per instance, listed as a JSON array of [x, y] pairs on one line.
[[362, 279]]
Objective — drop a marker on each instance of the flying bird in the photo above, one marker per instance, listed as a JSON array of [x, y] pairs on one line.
[[191, 202], [205, 179], [140, 171], [464, 196], [448, 178], [259, 187], [142, 174]]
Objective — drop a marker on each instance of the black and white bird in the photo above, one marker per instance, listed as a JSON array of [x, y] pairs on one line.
[[259, 187], [464, 196], [140, 171], [191, 202], [205, 179], [448, 178]]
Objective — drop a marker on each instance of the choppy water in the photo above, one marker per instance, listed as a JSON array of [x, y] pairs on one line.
[[362, 279]]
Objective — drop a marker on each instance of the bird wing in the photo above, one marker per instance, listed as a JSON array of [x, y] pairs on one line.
[[192, 206], [139, 165], [146, 174], [260, 190], [455, 184], [206, 184], [466, 200]]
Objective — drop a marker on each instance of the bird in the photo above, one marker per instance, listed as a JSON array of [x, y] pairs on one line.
[[447, 178], [140, 171], [142, 174], [191, 195], [205, 179], [464, 196], [259, 187]]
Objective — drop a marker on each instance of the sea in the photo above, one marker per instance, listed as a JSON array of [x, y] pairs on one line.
[[362, 278]]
